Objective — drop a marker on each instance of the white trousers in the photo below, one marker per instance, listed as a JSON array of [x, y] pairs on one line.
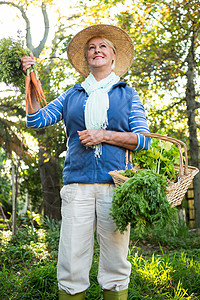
[[85, 208]]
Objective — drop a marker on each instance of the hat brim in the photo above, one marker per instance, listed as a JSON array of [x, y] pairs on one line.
[[120, 39]]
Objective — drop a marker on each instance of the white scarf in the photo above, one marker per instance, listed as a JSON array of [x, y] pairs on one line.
[[97, 103]]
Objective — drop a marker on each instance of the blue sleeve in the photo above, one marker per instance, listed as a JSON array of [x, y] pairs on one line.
[[138, 123], [49, 115]]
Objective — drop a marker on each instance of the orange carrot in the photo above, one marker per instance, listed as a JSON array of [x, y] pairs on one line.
[[33, 85], [41, 91], [34, 80], [35, 92], [39, 94], [27, 91], [27, 85]]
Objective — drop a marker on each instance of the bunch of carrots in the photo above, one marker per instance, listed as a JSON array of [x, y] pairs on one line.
[[11, 52], [33, 85]]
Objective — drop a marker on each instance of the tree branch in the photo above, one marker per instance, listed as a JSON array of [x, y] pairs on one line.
[[26, 19], [197, 104], [36, 51], [171, 106], [39, 49]]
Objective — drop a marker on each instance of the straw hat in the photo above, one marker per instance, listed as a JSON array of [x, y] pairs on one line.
[[120, 39]]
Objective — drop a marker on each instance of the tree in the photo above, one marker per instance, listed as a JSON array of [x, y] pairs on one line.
[[166, 66], [22, 7], [50, 172], [5, 185], [10, 131], [167, 37]]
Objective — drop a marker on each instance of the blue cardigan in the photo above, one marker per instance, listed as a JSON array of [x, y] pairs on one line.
[[126, 113]]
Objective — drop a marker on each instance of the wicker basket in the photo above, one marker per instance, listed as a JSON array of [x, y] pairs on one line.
[[175, 191]]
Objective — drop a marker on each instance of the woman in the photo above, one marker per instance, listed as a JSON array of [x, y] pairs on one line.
[[103, 117]]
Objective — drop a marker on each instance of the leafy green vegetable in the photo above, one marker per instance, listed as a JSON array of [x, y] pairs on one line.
[[10, 64], [142, 201], [161, 158], [128, 173]]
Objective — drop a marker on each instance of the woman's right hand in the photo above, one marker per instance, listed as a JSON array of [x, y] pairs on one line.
[[27, 62]]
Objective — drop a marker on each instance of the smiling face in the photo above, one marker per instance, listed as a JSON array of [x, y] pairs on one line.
[[100, 55]]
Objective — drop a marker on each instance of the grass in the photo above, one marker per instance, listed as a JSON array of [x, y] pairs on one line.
[[163, 266]]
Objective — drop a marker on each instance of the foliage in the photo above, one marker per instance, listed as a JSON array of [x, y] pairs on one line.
[[156, 274], [165, 114], [12, 106], [5, 191], [162, 32], [141, 200], [28, 265], [34, 189], [166, 36], [160, 158], [5, 184], [157, 237], [11, 53], [37, 279], [30, 218], [52, 141]]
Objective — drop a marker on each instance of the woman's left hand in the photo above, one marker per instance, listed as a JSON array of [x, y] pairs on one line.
[[90, 137]]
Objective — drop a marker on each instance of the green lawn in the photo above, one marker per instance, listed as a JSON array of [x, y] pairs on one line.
[[163, 266]]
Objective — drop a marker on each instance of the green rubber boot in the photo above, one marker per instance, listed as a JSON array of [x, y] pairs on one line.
[[115, 295], [64, 296]]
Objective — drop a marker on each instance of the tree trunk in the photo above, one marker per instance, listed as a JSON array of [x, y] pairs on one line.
[[194, 144], [50, 175]]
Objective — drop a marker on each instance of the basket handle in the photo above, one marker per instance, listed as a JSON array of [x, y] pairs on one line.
[[128, 157], [173, 141]]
